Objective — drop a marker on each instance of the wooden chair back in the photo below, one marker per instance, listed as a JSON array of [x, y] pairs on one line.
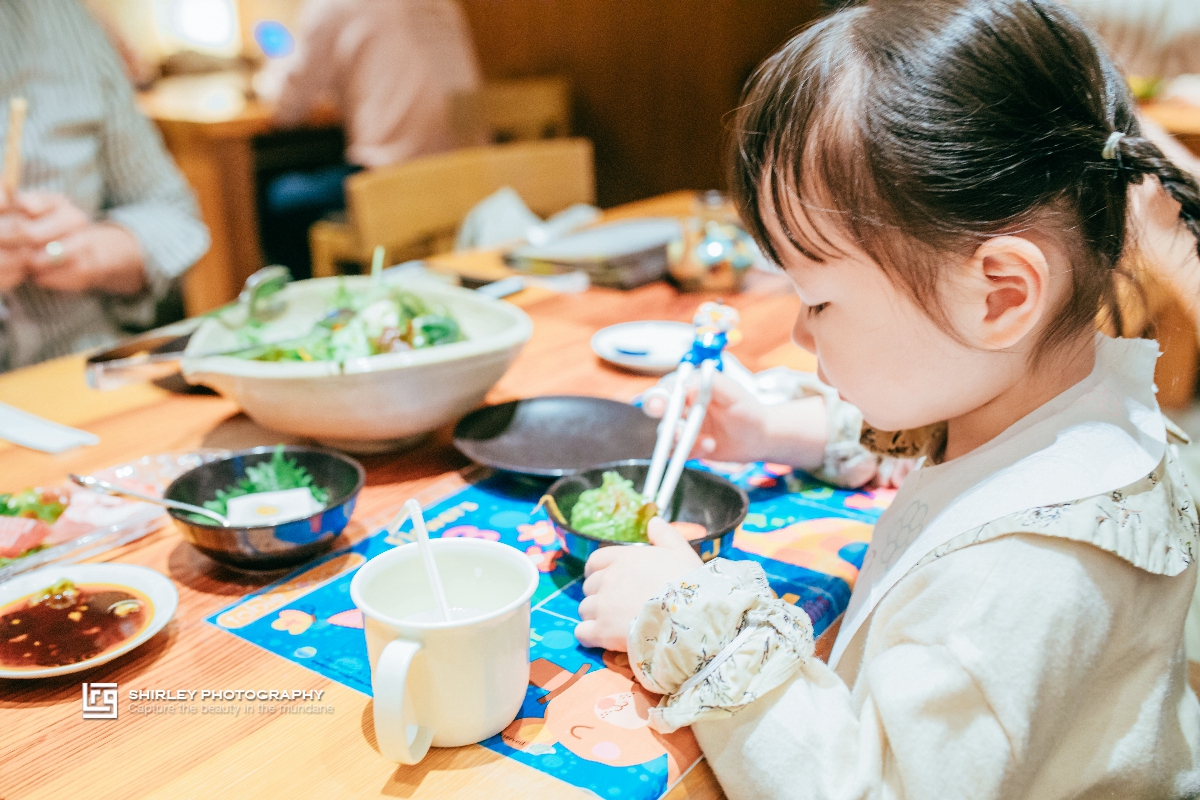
[[513, 110], [414, 208]]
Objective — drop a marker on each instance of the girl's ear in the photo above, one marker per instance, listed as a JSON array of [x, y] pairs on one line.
[[1009, 284]]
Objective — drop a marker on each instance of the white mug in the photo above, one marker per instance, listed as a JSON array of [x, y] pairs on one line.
[[445, 684]]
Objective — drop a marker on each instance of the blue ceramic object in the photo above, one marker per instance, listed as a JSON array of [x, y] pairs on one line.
[[269, 547]]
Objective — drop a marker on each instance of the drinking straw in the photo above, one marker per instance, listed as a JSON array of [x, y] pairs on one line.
[[17, 106], [412, 509]]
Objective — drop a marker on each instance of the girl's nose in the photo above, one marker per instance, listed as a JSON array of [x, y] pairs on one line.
[[801, 334]]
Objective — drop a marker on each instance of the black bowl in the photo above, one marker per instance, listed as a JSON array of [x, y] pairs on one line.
[[271, 546], [701, 497]]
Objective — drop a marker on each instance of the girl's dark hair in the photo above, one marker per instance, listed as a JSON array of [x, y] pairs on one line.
[[926, 126]]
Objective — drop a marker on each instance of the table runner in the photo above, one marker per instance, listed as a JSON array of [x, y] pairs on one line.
[[583, 719]]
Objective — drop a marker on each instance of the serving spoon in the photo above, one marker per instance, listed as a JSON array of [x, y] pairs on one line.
[[155, 354], [104, 487]]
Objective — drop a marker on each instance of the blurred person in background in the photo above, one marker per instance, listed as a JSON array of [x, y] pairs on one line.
[[1148, 38], [391, 68], [103, 223]]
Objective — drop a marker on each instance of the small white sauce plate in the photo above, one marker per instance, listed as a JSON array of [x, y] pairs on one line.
[[651, 348], [154, 585]]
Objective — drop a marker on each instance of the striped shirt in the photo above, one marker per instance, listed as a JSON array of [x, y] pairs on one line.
[[85, 138]]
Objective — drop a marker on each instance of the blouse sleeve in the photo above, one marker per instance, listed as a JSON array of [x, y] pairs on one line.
[[973, 672], [715, 641], [145, 194]]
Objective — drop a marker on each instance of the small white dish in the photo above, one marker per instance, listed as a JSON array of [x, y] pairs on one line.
[[651, 348], [155, 586]]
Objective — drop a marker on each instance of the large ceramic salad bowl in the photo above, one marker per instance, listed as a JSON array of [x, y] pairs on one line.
[[369, 403]]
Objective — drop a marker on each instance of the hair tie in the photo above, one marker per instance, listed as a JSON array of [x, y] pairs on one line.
[[1110, 147]]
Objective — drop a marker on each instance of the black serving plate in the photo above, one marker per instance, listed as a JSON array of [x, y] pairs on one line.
[[555, 435]]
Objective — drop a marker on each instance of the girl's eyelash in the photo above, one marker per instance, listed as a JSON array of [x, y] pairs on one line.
[[817, 309]]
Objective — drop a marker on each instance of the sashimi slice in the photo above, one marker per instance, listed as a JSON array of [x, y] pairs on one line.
[[89, 511], [18, 534]]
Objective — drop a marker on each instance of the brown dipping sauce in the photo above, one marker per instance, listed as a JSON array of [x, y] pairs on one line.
[[66, 624]]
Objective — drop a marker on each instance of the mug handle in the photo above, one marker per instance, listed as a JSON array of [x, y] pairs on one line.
[[395, 714]]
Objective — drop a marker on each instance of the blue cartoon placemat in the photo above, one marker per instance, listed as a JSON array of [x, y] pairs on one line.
[[584, 716]]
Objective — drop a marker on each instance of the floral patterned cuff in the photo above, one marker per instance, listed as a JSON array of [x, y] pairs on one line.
[[714, 641], [847, 463]]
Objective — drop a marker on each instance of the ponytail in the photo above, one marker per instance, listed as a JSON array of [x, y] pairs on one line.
[[1139, 157]]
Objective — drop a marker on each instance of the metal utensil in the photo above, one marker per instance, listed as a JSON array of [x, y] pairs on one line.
[[155, 354], [104, 487], [260, 294]]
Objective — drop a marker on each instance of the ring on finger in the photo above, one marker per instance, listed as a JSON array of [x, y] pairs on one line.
[[54, 249]]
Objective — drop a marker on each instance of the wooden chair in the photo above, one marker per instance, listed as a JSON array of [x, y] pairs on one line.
[[512, 111], [414, 209]]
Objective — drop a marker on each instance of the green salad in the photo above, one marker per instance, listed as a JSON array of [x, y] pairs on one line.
[[614, 511], [279, 473], [380, 320], [46, 506]]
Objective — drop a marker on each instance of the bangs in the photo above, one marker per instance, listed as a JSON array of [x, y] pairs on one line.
[[803, 156]]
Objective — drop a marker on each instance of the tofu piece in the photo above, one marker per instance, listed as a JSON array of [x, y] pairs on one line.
[[18, 534]]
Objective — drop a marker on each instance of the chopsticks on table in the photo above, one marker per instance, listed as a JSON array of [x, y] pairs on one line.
[[17, 107]]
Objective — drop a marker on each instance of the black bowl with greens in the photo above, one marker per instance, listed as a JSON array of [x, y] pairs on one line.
[[335, 480], [711, 506]]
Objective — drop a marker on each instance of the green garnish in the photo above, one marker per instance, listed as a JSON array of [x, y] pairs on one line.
[[614, 511], [279, 473], [32, 503]]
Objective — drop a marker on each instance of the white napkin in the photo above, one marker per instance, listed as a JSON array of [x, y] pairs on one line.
[[29, 430], [503, 218]]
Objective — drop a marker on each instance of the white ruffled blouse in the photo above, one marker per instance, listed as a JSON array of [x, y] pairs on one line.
[[1037, 655]]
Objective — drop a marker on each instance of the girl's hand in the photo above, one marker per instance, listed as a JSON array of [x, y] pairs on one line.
[[619, 581], [739, 428], [735, 426]]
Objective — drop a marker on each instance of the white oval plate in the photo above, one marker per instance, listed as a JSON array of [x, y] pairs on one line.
[[156, 586], [651, 348]]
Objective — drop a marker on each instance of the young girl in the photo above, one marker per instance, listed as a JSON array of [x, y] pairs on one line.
[[946, 182]]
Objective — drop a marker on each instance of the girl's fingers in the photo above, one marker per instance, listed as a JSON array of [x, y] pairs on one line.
[[587, 608], [601, 559], [661, 534], [726, 391], [592, 584], [654, 401], [587, 632]]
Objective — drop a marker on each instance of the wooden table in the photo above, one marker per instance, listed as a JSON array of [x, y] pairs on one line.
[[208, 125], [48, 751]]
